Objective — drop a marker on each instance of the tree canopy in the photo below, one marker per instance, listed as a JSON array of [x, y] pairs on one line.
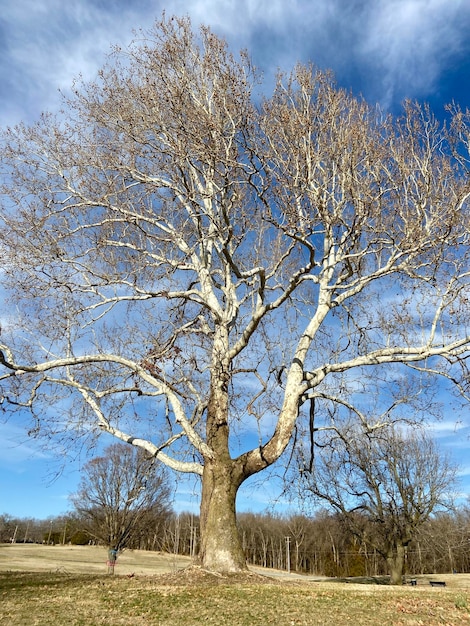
[[189, 265], [119, 493]]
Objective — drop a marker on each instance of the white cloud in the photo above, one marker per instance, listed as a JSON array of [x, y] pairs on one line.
[[410, 42], [396, 48], [16, 448], [449, 426], [47, 44]]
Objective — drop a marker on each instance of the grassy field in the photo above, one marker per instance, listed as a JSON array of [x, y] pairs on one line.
[[66, 594], [84, 560]]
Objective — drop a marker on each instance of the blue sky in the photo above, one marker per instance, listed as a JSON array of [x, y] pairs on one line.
[[387, 50]]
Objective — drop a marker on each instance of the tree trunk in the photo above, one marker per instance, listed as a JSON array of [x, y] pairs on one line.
[[396, 564], [221, 546]]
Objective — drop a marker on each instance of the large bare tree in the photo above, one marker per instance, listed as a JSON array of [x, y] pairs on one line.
[[189, 265]]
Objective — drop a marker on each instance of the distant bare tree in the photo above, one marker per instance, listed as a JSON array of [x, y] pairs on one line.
[[385, 484], [121, 493], [189, 265]]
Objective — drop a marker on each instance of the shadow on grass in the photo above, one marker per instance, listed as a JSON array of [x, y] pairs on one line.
[[10, 581], [363, 580]]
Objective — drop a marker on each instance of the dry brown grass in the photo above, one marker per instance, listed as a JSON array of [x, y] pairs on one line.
[[84, 560], [61, 588]]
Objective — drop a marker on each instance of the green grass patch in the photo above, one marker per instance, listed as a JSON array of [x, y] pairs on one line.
[[74, 599]]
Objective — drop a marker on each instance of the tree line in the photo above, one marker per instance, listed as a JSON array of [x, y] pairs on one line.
[[318, 544]]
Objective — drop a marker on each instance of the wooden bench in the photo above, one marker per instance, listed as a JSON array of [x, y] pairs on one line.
[[437, 583]]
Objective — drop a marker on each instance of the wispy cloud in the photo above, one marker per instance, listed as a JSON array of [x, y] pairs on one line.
[[411, 42], [388, 49], [47, 44], [16, 448], [393, 48]]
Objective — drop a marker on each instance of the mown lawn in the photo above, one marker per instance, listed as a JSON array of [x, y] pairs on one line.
[[179, 600]]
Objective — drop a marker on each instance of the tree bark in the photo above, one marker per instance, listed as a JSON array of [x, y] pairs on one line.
[[221, 546], [396, 564]]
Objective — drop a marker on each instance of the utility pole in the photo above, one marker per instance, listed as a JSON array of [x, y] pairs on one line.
[[288, 554]]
